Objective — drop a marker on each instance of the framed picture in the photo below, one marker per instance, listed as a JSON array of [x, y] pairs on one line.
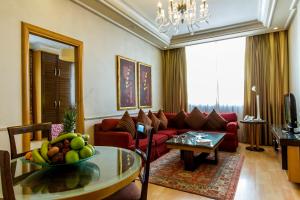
[[126, 83], [145, 85]]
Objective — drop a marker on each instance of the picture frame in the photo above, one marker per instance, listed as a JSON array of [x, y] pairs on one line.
[[144, 85], [126, 83]]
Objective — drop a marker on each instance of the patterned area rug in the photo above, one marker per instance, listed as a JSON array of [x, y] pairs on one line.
[[213, 181]]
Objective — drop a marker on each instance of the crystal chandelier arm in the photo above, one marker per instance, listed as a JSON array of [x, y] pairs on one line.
[[188, 12]]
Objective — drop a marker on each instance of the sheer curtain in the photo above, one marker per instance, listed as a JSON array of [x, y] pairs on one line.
[[215, 76]]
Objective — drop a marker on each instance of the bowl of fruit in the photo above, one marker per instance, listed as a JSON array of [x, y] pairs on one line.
[[66, 149]]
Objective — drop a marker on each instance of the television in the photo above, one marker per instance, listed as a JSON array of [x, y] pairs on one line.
[[290, 112]]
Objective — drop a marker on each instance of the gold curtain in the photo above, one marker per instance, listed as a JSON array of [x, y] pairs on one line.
[[266, 67], [174, 80]]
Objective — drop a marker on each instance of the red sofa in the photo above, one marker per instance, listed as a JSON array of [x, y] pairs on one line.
[[105, 134]]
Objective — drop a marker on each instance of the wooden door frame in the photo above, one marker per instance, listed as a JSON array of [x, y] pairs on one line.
[[27, 29]]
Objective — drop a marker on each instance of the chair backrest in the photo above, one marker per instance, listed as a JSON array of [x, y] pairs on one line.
[[16, 130], [6, 177], [144, 177]]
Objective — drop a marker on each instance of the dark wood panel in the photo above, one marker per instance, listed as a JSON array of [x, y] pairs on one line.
[[66, 87], [31, 84], [49, 88]]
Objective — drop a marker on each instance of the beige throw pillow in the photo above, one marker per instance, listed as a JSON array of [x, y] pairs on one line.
[[127, 124], [215, 122], [163, 120], [196, 119], [143, 118], [155, 121]]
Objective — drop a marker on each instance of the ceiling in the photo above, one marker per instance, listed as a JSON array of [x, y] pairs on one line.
[[228, 18], [220, 14]]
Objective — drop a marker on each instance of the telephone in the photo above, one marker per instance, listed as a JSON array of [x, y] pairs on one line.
[[248, 118]]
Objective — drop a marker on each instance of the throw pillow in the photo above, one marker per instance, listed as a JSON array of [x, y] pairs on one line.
[[163, 120], [179, 119], [196, 119], [143, 118], [127, 124], [155, 121], [215, 122]]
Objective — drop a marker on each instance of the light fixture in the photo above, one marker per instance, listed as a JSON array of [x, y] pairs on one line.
[[182, 12], [275, 28], [253, 88]]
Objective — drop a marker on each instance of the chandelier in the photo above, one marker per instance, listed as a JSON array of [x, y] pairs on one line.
[[182, 12]]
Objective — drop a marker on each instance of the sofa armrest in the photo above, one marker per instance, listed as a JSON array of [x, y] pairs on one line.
[[232, 127], [113, 138], [97, 127]]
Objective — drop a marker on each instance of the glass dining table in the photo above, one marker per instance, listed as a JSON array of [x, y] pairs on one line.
[[105, 173]]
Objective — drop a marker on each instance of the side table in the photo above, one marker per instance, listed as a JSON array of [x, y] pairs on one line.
[[255, 124]]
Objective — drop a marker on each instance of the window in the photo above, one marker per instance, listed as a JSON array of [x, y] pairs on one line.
[[216, 75]]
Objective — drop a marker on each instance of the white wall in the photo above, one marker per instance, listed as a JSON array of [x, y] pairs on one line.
[[102, 42], [294, 57]]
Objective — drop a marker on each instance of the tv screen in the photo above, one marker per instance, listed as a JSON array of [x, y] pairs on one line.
[[290, 110]]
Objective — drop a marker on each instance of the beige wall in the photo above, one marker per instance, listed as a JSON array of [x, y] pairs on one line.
[[294, 57], [102, 42]]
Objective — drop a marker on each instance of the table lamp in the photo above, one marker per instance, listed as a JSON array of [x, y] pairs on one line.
[[257, 102]]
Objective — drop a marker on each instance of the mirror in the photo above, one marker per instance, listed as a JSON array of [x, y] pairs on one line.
[[51, 78]]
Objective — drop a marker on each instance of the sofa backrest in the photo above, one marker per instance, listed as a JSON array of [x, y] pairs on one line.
[[110, 124], [229, 116]]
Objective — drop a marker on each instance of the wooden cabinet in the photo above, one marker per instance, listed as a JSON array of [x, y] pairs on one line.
[[57, 87]]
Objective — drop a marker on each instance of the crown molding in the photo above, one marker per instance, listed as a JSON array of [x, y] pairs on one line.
[[105, 10], [266, 9], [293, 9], [207, 35], [135, 17], [124, 16]]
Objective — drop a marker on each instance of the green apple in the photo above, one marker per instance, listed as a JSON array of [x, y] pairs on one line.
[[72, 157], [77, 143], [85, 152]]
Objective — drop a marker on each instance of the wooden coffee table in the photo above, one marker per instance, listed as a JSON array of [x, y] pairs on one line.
[[193, 149]]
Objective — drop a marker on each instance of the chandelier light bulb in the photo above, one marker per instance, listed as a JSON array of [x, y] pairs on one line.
[[190, 13]]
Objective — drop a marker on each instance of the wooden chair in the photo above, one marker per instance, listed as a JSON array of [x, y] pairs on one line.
[[16, 130], [131, 191], [6, 177]]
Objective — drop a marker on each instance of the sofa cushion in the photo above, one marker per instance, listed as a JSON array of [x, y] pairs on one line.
[[143, 118], [179, 119], [168, 132], [143, 143], [195, 119], [215, 122], [127, 124], [160, 138], [109, 124], [155, 121], [163, 120]]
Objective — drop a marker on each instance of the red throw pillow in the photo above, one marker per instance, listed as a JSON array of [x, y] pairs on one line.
[[196, 119], [155, 121], [163, 120], [179, 119], [215, 122], [127, 124], [143, 118]]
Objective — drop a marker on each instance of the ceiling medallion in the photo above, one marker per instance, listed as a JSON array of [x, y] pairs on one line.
[[182, 12]]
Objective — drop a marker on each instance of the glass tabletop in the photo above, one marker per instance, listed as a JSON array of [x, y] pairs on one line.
[[197, 139], [107, 168]]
